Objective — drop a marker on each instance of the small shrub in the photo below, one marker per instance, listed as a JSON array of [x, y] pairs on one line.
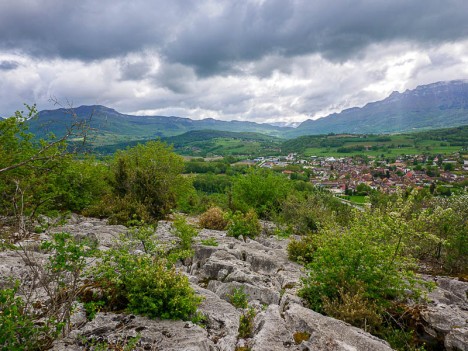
[[238, 298], [283, 233], [209, 242], [354, 309], [244, 225], [92, 308], [246, 323], [119, 210], [214, 219], [302, 251], [156, 291], [19, 330], [185, 232], [147, 284]]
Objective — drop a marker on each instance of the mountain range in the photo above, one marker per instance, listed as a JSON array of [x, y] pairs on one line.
[[437, 105], [113, 127]]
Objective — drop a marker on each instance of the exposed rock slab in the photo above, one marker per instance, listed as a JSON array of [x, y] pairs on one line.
[[93, 229], [222, 319], [270, 280], [330, 334], [117, 329], [445, 318]]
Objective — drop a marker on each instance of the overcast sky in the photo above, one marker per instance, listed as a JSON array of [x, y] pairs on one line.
[[258, 60]]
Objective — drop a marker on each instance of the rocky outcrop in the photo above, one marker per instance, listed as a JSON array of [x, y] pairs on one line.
[[445, 317], [93, 229], [119, 329], [261, 268]]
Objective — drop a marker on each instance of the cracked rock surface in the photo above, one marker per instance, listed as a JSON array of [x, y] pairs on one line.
[[445, 318], [270, 280]]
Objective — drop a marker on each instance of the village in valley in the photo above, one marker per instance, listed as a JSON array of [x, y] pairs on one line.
[[360, 174]]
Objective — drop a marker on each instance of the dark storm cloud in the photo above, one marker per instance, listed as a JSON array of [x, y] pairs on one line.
[[134, 70], [87, 29], [246, 31], [8, 65], [211, 36], [175, 77]]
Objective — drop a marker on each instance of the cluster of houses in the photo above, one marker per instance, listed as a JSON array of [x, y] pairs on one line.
[[344, 174]]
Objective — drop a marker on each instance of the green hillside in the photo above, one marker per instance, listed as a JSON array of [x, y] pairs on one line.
[[443, 141], [110, 127], [203, 143]]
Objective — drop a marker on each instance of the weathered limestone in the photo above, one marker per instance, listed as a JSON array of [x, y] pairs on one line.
[[330, 334], [116, 329], [445, 318], [269, 279]]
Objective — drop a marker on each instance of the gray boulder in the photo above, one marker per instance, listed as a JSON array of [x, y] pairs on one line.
[[445, 317]]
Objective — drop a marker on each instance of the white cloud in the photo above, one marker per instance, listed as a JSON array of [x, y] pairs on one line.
[[272, 88]]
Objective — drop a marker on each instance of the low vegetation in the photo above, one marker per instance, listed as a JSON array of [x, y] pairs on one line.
[[214, 218], [245, 225], [361, 264]]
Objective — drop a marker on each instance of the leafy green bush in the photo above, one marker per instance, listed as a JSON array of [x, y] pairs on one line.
[[246, 323], [148, 179], [368, 256], [260, 189], [158, 292], [185, 232], [238, 298], [145, 283], [19, 330], [302, 251], [244, 225], [214, 218]]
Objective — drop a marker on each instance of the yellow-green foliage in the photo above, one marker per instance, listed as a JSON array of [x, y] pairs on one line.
[[260, 189], [147, 180], [145, 284], [368, 255], [300, 337], [246, 323], [214, 218], [354, 308], [244, 225], [302, 250]]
